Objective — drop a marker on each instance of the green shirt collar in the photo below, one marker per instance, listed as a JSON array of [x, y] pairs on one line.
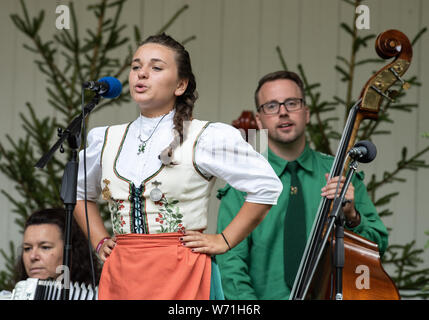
[[279, 164]]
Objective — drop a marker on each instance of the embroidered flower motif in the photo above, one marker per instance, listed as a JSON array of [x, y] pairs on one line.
[[122, 222], [117, 219], [169, 216], [115, 207], [181, 228]]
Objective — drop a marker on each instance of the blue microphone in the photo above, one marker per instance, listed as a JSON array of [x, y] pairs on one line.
[[108, 87]]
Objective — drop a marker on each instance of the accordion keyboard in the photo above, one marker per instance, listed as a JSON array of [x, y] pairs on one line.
[[36, 289]]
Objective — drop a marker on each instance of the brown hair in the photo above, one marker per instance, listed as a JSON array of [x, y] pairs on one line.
[[184, 103], [80, 270], [283, 74]]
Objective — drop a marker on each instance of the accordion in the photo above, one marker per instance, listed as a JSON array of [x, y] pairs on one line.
[[36, 289]]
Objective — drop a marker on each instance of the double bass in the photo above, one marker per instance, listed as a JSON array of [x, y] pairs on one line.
[[313, 279]]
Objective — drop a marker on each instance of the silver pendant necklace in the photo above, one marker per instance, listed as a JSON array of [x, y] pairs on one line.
[[143, 143], [156, 193]]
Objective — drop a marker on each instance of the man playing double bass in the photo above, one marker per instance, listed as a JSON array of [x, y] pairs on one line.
[[264, 265]]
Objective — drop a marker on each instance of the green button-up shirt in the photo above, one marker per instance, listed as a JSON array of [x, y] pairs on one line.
[[254, 269]]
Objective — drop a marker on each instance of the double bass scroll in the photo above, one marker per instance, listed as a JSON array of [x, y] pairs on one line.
[[389, 44]]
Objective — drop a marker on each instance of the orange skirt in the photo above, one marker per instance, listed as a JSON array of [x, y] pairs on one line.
[[154, 267]]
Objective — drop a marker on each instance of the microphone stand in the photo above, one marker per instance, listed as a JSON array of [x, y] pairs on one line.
[[337, 217], [69, 181]]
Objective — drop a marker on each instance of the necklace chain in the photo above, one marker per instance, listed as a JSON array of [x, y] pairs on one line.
[[142, 144]]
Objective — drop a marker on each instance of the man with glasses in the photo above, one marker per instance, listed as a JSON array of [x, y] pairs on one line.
[[265, 264]]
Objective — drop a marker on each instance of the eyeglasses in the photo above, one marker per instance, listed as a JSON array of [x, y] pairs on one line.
[[273, 107]]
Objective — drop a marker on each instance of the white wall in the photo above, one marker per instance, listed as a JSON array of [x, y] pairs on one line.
[[235, 45]]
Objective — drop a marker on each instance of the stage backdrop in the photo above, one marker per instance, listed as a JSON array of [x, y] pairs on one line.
[[235, 44]]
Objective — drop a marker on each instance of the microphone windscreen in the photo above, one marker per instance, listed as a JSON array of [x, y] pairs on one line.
[[371, 151], [115, 87]]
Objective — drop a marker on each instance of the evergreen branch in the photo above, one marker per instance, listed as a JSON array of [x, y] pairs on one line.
[[31, 30], [42, 133], [350, 2], [97, 38], [323, 143], [407, 275], [411, 163], [20, 168], [7, 276], [112, 39], [352, 63], [345, 74], [282, 60], [418, 35], [366, 61], [188, 39], [385, 199], [344, 60], [137, 36], [173, 18], [20, 208]]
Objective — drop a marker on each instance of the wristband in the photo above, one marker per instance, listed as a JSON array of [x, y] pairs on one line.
[[101, 243], [225, 240]]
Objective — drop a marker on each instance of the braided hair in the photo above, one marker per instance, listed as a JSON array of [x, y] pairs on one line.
[[185, 102]]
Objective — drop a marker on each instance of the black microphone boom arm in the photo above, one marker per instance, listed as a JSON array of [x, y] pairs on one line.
[[73, 128]]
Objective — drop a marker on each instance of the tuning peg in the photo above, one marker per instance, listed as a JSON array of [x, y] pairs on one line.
[[393, 94], [381, 93], [405, 85]]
